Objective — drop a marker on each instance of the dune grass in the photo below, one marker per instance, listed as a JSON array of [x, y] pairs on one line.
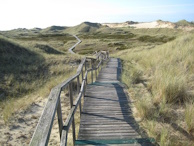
[[166, 72], [189, 117], [30, 70]]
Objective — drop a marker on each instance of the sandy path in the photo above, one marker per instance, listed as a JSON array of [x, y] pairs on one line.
[[22, 125]]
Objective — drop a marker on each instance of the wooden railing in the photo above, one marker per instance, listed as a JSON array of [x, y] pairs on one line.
[[42, 133]]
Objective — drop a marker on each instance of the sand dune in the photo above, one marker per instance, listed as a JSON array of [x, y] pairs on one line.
[[153, 24]]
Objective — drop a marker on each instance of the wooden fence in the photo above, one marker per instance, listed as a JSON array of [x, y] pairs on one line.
[[42, 133]]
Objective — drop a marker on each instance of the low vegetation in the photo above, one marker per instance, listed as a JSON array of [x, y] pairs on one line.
[[118, 39], [184, 23], [30, 69], [160, 80]]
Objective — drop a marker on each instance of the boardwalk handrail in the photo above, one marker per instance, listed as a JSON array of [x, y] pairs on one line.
[[42, 133]]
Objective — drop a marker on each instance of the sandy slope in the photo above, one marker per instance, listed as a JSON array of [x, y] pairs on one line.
[[154, 24], [22, 125]]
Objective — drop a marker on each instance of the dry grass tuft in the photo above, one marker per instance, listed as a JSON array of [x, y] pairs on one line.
[[145, 108], [189, 117]]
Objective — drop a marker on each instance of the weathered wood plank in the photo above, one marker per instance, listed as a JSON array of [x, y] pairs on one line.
[[80, 67], [64, 137], [99, 137]]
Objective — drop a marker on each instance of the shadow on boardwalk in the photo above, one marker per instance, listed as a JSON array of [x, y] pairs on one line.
[[130, 120], [107, 115]]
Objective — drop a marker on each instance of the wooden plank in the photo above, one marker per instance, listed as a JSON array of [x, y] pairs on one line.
[[107, 112], [65, 83], [113, 110], [138, 141], [107, 136], [105, 101], [110, 130], [109, 125], [107, 131], [113, 145], [64, 138], [104, 108], [108, 122], [80, 67]]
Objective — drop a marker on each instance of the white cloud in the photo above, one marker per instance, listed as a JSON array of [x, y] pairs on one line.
[[44, 13]]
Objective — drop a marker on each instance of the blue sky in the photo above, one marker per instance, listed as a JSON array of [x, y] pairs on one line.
[[44, 13]]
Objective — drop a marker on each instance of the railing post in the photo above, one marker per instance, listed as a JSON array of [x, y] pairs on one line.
[[64, 138], [86, 79], [92, 70], [78, 85], [82, 74], [102, 64], [71, 105], [78, 91], [85, 66], [96, 72], [84, 92], [59, 116]]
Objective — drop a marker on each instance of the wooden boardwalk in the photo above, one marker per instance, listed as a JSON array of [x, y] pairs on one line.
[[106, 117]]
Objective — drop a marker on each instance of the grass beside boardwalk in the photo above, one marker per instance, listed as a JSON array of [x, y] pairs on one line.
[[161, 81]]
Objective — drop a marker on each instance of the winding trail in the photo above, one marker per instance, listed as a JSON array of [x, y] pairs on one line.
[[73, 47]]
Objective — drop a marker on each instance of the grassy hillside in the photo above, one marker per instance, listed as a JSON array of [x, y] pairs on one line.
[[117, 39], [184, 23], [16, 63], [161, 81], [53, 29], [30, 68], [85, 27]]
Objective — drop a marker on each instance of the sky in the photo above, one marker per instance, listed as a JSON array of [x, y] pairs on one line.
[[44, 13]]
